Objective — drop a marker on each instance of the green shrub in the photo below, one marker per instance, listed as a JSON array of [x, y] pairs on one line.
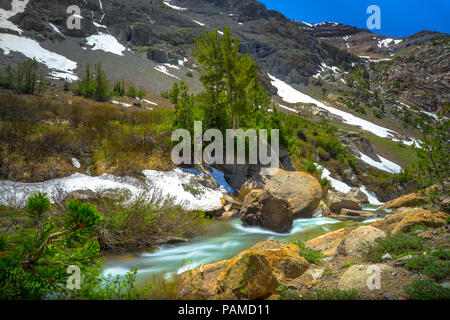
[[427, 290], [434, 265], [349, 264], [189, 74], [396, 245], [313, 256], [334, 294], [288, 294]]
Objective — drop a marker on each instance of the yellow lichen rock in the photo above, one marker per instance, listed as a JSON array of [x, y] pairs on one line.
[[404, 220], [408, 200]]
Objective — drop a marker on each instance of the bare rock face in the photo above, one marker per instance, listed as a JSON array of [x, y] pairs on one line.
[[338, 201], [83, 195], [301, 190], [352, 244], [262, 208], [359, 277]]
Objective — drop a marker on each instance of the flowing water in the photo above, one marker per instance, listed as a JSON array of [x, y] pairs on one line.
[[223, 241]]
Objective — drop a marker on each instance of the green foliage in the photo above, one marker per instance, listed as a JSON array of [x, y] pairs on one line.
[[33, 263], [38, 204], [27, 78], [119, 88], [288, 294], [107, 288], [232, 96], [189, 74], [349, 264], [334, 294], [93, 85], [435, 265], [397, 245], [433, 166], [313, 256], [427, 290]]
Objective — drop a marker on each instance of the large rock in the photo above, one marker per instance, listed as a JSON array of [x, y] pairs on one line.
[[408, 200], [301, 190], [352, 244], [358, 276], [83, 195], [255, 273], [262, 208], [404, 220], [359, 195], [329, 242], [338, 201]]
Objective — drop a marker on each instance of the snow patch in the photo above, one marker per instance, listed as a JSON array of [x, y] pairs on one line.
[[373, 200], [106, 42], [199, 23], [291, 95], [76, 163], [384, 165], [17, 6], [164, 70], [336, 184], [167, 183], [123, 104], [55, 28], [167, 3], [61, 66]]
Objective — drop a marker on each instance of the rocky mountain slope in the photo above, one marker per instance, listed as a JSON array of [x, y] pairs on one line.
[[135, 38]]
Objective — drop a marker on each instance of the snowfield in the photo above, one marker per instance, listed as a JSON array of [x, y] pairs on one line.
[[166, 183], [384, 165], [291, 95], [61, 66], [17, 6], [164, 70], [106, 42]]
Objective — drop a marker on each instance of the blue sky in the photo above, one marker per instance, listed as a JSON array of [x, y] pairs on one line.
[[399, 18]]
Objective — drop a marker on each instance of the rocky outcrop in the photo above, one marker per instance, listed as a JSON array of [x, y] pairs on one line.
[[262, 208], [408, 200], [301, 190], [358, 144], [358, 276], [83, 195], [255, 273], [329, 242], [404, 220], [352, 200], [352, 244]]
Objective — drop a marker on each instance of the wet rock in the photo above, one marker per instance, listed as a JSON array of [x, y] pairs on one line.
[[84, 195], [262, 208], [301, 190], [338, 201]]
